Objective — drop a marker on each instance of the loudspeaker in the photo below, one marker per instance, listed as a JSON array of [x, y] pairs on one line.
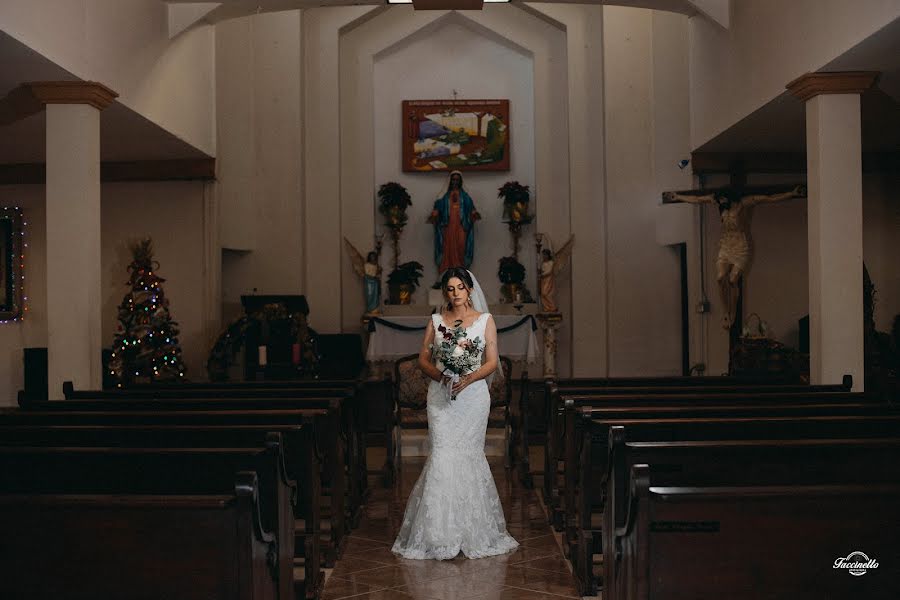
[[35, 360], [803, 342]]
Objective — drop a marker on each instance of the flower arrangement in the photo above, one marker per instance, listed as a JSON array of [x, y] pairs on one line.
[[515, 210], [515, 203], [512, 276], [458, 354], [394, 201], [511, 270]]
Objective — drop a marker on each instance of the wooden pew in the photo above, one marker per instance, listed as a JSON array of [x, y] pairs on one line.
[[353, 409], [166, 471], [750, 542], [325, 421], [559, 442], [739, 463], [352, 435], [203, 385], [599, 438], [202, 389], [301, 456], [556, 391], [726, 406], [374, 394], [84, 547]]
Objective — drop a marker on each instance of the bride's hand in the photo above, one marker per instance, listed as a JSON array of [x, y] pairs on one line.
[[461, 384]]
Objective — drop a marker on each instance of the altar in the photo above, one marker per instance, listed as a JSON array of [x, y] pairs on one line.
[[395, 336]]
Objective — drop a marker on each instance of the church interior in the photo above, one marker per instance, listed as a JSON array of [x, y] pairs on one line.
[[223, 227]]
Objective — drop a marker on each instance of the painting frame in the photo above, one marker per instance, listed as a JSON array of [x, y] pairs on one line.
[[439, 136], [12, 307]]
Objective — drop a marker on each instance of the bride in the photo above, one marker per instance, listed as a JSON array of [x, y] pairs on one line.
[[454, 506]]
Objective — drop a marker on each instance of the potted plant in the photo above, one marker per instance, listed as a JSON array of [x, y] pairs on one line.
[[393, 202], [516, 198], [403, 281], [394, 199], [512, 276]]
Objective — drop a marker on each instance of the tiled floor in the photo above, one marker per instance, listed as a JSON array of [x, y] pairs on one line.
[[369, 571]]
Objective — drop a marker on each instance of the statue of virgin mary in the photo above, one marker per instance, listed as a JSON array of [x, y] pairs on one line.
[[454, 217]]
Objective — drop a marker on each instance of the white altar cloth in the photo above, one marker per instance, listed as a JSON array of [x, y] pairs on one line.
[[389, 344]]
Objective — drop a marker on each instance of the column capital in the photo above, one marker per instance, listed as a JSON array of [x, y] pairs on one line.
[[72, 92], [838, 82]]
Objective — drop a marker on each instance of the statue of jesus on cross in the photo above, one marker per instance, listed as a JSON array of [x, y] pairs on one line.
[[736, 244]]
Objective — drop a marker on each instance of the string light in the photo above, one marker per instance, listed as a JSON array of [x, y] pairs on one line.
[[18, 224]]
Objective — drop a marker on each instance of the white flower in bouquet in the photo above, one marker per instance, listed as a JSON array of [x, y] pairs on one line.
[[458, 354]]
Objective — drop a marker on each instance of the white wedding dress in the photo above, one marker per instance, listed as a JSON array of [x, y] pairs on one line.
[[454, 506]]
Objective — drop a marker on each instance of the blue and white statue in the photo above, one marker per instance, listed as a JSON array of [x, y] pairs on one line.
[[369, 269]]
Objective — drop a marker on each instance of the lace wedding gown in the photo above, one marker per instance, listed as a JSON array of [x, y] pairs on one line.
[[454, 505]]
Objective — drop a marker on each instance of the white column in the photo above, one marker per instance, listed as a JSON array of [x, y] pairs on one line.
[[835, 238], [73, 246], [73, 232]]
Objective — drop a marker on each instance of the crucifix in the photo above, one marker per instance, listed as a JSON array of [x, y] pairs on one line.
[[735, 204]]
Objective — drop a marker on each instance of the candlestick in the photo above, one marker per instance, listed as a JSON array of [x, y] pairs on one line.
[[262, 356]]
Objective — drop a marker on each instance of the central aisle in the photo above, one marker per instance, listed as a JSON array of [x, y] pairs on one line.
[[369, 571]]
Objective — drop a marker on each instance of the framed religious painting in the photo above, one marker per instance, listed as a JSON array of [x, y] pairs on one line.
[[11, 264], [455, 135]]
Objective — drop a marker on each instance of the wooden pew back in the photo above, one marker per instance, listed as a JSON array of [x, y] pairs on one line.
[[760, 541], [737, 463], [151, 547], [164, 471], [594, 456], [327, 431]]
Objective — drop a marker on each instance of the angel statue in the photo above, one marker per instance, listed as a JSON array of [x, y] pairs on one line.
[[552, 265], [369, 269]]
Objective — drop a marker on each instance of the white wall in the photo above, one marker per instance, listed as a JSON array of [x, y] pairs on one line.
[[770, 43], [321, 160], [124, 44], [235, 133], [586, 298], [174, 214], [259, 132], [480, 67], [644, 277]]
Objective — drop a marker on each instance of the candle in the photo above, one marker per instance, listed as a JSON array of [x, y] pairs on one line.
[[295, 354], [262, 356]]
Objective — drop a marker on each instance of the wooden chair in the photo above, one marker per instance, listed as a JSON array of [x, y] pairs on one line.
[[410, 400]]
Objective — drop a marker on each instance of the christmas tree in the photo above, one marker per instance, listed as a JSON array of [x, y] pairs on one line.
[[146, 346]]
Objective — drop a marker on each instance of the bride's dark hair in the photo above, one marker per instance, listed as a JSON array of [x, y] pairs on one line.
[[458, 272]]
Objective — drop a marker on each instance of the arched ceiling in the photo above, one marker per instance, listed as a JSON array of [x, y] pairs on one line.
[[184, 13]]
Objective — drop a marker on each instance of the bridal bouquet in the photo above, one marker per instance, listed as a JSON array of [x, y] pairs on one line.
[[457, 353]]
